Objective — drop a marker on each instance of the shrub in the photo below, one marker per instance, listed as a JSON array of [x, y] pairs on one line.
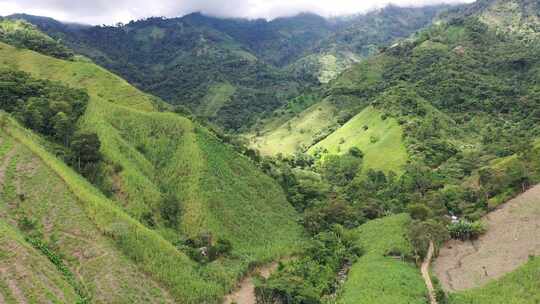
[[465, 230]]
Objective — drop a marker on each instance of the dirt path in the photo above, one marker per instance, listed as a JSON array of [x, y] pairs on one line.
[[245, 294], [425, 273], [513, 235]]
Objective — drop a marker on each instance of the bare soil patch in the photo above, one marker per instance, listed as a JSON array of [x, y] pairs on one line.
[[513, 235], [245, 294], [425, 273]]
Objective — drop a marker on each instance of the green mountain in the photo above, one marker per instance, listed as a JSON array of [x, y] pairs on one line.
[[235, 71], [164, 187], [335, 193]]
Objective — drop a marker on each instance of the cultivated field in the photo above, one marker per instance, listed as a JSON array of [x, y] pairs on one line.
[[513, 236]]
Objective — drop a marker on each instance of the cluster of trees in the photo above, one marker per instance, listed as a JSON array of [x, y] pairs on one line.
[[180, 59], [311, 276], [52, 110], [46, 107]]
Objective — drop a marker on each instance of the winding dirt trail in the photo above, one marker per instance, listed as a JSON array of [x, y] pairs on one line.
[[425, 273], [513, 235], [245, 294]]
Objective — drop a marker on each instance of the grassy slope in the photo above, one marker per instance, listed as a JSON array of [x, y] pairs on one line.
[[251, 211], [106, 273], [28, 276], [221, 191], [297, 133], [388, 153], [218, 95], [378, 279], [518, 287], [153, 254], [286, 135]]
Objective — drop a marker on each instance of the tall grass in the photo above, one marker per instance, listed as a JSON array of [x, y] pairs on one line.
[[147, 248], [380, 276]]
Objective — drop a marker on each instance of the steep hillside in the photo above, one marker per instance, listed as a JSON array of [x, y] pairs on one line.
[[56, 235], [519, 17], [187, 60], [380, 138], [358, 37], [520, 286], [296, 134], [188, 188]]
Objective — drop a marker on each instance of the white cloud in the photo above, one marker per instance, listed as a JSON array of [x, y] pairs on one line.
[[108, 12]]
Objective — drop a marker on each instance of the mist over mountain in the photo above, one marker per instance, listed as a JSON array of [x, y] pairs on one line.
[[236, 71]]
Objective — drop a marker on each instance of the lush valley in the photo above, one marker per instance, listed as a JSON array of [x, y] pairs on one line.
[[358, 156], [233, 71]]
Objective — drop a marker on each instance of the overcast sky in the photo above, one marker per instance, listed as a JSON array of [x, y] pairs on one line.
[[113, 11]]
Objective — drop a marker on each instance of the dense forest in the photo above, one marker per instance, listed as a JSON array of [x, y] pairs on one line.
[[235, 71]]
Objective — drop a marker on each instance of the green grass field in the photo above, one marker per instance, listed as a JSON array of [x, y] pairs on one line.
[[151, 155], [518, 287], [378, 277], [382, 143], [217, 96], [297, 133]]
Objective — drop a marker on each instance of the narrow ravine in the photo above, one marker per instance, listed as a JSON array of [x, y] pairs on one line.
[[245, 294], [425, 273]]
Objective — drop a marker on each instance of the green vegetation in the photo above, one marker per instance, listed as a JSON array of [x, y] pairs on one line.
[[146, 247], [53, 219], [218, 95], [312, 277], [382, 275], [379, 139], [372, 164], [465, 230], [297, 134], [172, 175], [265, 62], [41, 283], [59, 263]]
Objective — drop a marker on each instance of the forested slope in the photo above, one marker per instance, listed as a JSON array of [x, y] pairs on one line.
[[189, 60]]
